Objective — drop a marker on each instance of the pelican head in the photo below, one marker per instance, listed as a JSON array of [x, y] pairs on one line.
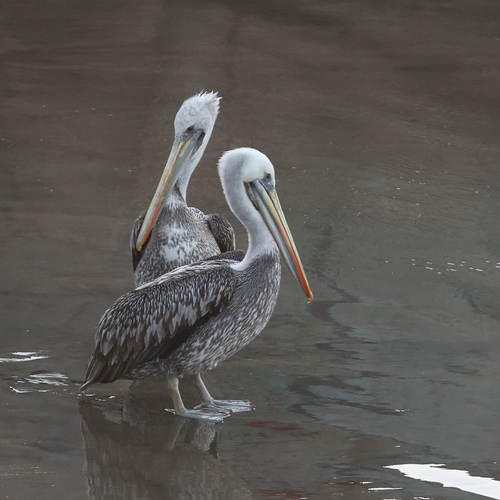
[[248, 181], [193, 127]]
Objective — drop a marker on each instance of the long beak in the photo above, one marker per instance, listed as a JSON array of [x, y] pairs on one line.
[[180, 153], [269, 206]]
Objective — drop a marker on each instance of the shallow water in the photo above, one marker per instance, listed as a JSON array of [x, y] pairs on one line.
[[382, 121]]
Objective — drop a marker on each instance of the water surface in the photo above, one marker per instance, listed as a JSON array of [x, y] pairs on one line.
[[381, 119]]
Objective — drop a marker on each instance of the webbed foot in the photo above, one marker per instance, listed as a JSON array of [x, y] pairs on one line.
[[231, 406], [206, 414]]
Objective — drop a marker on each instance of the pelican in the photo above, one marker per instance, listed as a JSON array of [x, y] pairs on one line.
[[171, 234], [189, 320]]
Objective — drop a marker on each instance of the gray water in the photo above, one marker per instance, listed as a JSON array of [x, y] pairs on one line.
[[382, 120]]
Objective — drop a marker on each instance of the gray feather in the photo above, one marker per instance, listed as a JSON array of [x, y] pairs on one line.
[[148, 322]]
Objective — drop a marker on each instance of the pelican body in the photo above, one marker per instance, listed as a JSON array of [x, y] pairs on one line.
[[189, 320], [170, 234]]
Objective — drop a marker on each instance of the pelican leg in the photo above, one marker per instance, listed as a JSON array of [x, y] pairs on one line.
[[232, 406], [201, 414]]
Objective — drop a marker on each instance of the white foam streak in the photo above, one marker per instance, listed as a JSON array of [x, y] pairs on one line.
[[451, 478]]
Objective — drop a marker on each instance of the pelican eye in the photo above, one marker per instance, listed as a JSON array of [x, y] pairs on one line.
[[190, 129], [267, 181]]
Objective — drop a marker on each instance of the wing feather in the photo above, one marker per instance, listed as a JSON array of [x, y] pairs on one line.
[[137, 254], [237, 255], [223, 232], [154, 319], [220, 228]]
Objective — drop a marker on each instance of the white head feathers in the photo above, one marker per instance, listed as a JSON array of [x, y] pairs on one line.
[[199, 112]]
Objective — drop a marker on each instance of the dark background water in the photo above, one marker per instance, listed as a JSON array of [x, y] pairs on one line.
[[382, 120]]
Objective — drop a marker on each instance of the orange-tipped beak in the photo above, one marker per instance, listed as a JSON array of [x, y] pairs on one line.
[[269, 206]]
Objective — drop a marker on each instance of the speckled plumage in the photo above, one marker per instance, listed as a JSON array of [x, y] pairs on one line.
[[187, 321], [182, 235]]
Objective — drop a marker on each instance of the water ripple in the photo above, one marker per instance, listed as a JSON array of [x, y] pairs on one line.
[[23, 356]]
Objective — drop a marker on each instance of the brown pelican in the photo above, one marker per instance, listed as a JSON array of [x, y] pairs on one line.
[[171, 234], [189, 320]]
